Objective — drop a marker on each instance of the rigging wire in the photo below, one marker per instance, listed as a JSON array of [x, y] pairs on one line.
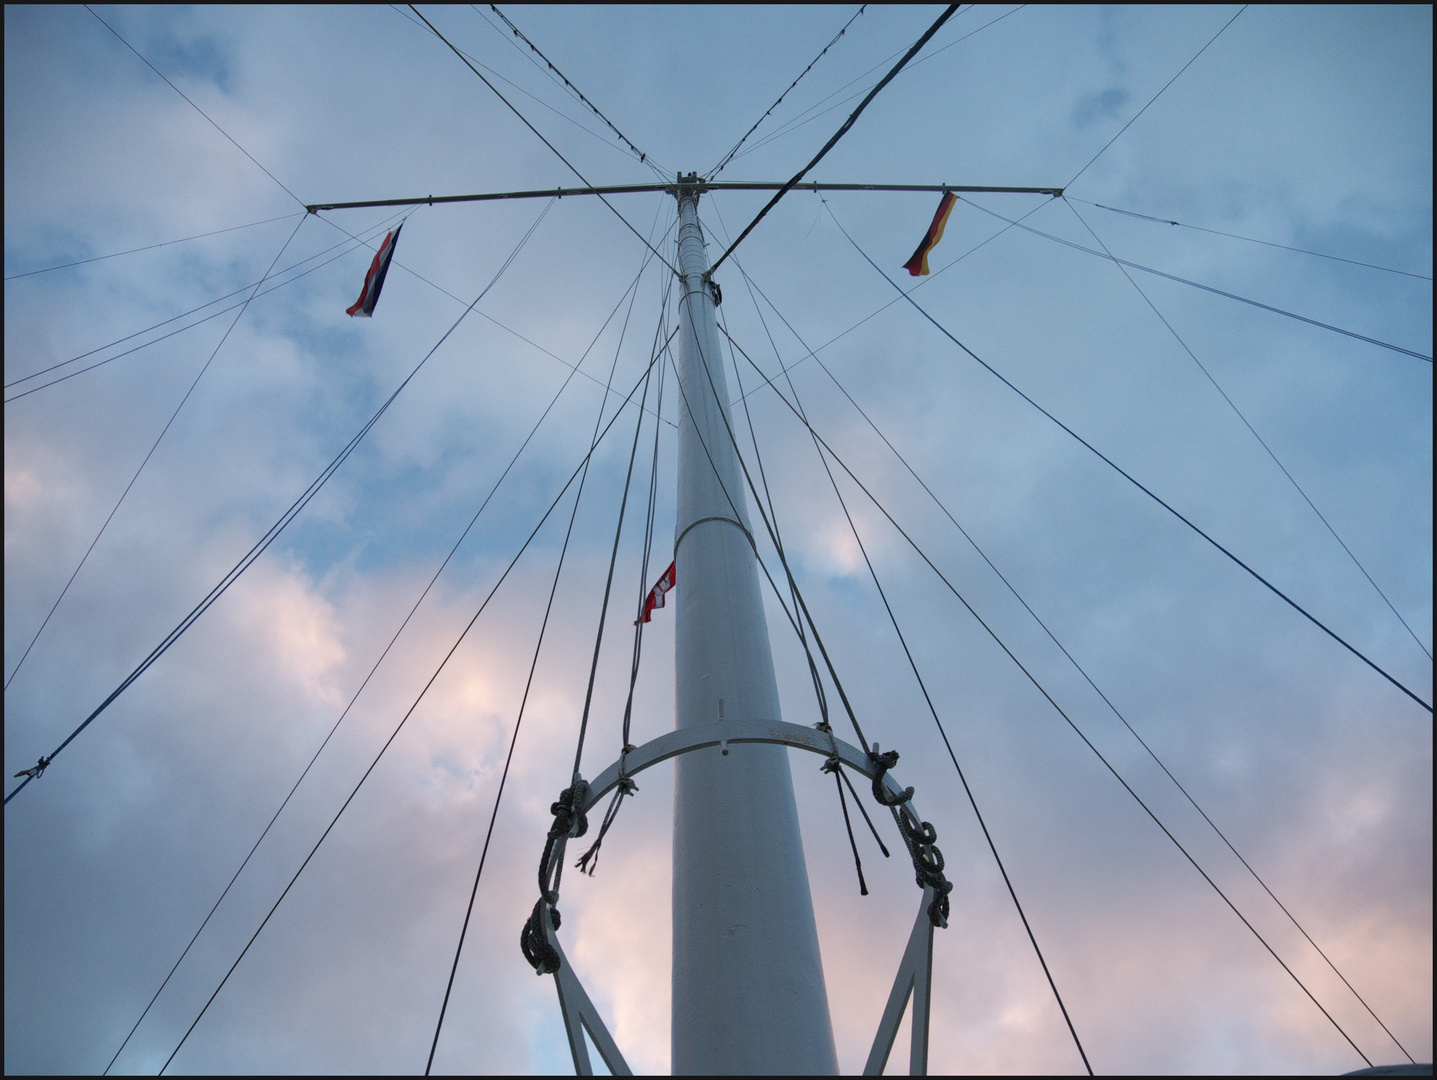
[[197, 109], [482, 314], [797, 122], [1031, 678], [972, 800], [613, 560], [626, 786], [158, 439], [1205, 288], [355, 698], [818, 691], [270, 535], [1077, 666], [801, 612], [729, 156], [1249, 239], [539, 645], [393, 735], [1261, 441], [643, 157], [532, 97], [213, 315], [147, 247], [1159, 94], [924, 281], [1128, 476], [545, 141], [840, 133]]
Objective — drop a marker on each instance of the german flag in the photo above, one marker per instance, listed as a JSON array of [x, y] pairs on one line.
[[918, 265]]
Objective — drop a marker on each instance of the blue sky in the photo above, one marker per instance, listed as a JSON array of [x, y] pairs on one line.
[[1304, 127]]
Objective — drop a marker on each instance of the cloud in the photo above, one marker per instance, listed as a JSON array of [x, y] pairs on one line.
[[1309, 128]]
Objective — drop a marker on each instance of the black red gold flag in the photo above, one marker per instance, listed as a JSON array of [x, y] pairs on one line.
[[918, 265]]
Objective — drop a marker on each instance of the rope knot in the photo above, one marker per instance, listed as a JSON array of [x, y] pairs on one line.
[[534, 942], [567, 820], [590, 859], [882, 762]]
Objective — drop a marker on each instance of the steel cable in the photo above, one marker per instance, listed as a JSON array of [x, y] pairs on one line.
[[1031, 678], [277, 528], [1146, 491]]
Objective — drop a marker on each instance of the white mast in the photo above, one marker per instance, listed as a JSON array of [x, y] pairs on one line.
[[748, 989]]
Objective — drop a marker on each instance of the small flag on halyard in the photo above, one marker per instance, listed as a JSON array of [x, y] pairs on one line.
[[374, 280], [918, 265], [655, 599]]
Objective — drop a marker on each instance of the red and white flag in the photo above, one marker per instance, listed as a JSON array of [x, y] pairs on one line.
[[655, 599], [374, 280]]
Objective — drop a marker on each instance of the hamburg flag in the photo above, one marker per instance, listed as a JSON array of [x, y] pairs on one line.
[[374, 280], [655, 599], [918, 265]]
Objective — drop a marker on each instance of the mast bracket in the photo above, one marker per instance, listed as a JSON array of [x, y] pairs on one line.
[[915, 971]]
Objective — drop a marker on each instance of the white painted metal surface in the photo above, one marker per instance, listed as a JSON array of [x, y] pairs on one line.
[[748, 989]]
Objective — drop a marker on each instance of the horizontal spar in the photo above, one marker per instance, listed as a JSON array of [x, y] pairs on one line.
[[673, 189]]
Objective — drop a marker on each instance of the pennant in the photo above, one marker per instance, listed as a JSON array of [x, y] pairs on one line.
[[655, 599], [374, 280], [918, 265]]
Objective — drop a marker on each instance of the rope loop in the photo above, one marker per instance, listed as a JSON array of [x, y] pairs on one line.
[[920, 837], [534, 943], [590, 859], [882, 762], [568, 822]]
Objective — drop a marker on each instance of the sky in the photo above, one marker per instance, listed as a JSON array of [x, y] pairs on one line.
[[1306, 128]]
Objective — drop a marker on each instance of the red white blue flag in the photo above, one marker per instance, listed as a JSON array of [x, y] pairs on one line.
[[655, 599], [374, 280]]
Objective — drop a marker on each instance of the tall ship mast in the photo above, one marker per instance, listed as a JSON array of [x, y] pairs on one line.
[[1049, 603]]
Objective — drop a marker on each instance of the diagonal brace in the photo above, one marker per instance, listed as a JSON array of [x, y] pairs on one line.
[[579, 1014], [915, 977]]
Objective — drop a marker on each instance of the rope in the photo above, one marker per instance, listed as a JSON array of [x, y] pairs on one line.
[[614, 553], [833, 766], [403, 720], [922, 686], [147, 247], [1071, 659], [1146, 491], [1206, 288], [798, 121], [583, 473], [197, 109], [588, 861], [452, 551], [545, 141], [1249, 239], [643, 157], [818, 691], [888, 304], [535, 99], [1159, 94], [175, 318], [1261, 441], [729, 156], [842, 131], [156, 445], [233, 574], [802, 608], [920, 839], [1031, 678]]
